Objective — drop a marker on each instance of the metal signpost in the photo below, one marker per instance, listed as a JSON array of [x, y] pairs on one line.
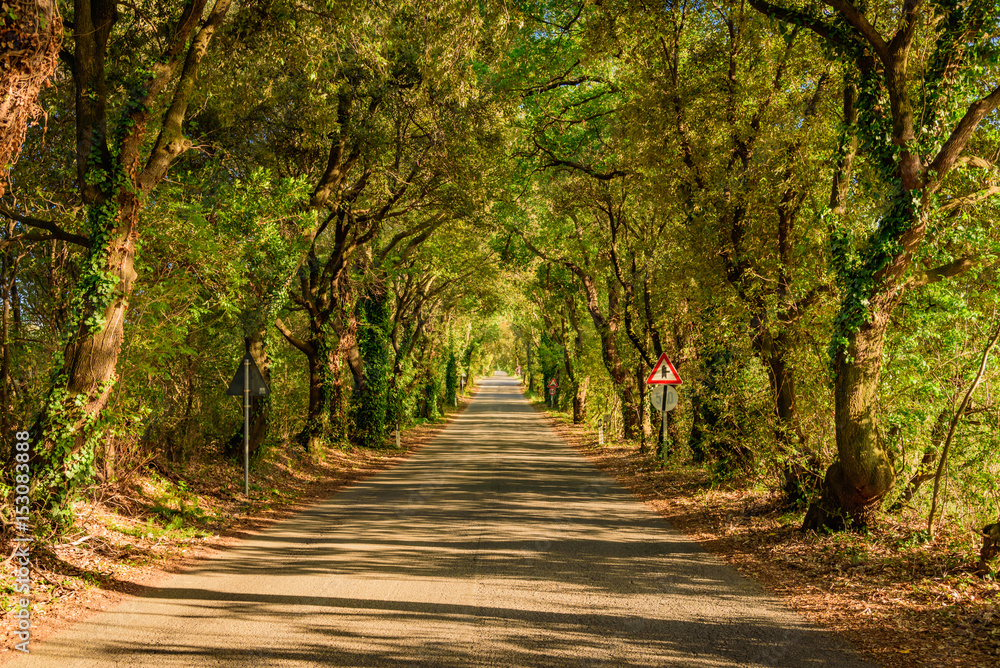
[[553, 387], [663, 377], [247, 381]]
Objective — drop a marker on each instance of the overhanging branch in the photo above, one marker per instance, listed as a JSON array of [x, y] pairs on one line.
[[55, 231]]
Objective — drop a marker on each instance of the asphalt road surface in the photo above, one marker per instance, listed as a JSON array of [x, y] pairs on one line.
[[495, 545]]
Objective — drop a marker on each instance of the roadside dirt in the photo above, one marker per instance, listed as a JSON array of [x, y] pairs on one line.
[[132, 538], [901, 602]]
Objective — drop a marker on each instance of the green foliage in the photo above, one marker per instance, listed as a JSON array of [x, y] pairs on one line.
[[432, 395], [369, 414], [595, 188]]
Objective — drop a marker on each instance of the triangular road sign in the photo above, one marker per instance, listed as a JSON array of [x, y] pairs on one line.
[[553, 383], [258, 388], [664, 373]]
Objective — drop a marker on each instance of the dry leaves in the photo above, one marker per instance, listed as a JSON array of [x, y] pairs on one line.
[[120, 547], [901, 602]]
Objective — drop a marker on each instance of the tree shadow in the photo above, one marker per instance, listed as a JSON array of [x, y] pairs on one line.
[[495, 546]]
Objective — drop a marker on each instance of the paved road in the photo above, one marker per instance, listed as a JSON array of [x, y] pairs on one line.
[[496, 545]]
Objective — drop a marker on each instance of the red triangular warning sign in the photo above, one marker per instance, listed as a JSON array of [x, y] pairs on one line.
[[664, 373]]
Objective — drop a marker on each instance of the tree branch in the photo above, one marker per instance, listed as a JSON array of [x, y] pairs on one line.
[[956, 267], [553, 161], [56, 231], [796, 17], [304, 346], [866, 29], [171, 141], [960, 136], [959, 203], [903, 38]]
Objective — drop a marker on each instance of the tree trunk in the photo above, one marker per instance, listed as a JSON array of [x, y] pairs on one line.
[[66, 430], [371, 397], [116, 169], [260, 407], [580, 401], [314, 431], [645, 426], [339, 397], [863, 474], [799, 464]]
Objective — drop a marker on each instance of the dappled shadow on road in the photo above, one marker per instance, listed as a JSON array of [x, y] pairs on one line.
[[366, 632], [494, 546]]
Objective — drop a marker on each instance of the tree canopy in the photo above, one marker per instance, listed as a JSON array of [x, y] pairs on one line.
[[794, 201]]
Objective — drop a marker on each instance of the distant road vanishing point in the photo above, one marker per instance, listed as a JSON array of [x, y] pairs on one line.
[[495, 545]]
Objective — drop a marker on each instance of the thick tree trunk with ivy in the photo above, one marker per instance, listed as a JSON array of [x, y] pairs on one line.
[[451, 378], [863, 474], [116, 169], [314, 432], [431, 392], [371, 396], [402, 350], [67, 430], [912, 144]]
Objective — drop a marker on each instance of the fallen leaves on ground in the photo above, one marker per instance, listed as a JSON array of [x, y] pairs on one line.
[[901, 601], [129, 538]]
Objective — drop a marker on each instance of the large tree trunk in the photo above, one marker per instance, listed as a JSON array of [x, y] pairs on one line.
[[315, 429], [863, 474], [371, 397], [116, 169], [66, 428]]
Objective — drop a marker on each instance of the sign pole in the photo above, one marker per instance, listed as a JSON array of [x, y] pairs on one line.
[[246, 426], [241, 385], [663, 416]]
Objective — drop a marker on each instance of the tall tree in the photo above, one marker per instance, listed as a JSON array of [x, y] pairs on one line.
[[118, 165], [920, 98]]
